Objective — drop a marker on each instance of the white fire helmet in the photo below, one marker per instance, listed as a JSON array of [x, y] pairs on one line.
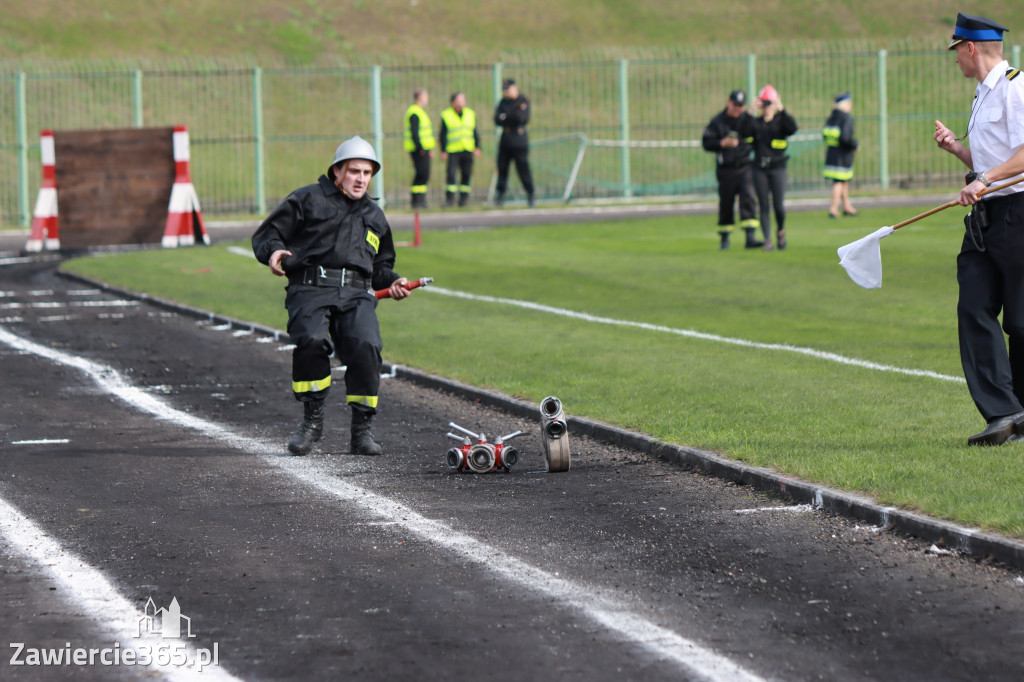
[[354, 148]]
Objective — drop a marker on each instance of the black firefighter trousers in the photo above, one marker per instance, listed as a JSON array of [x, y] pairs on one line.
[[342, 320], [733, 181]]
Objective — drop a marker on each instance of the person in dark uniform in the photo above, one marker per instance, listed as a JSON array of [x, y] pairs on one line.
[[511, 115], [460, 144], [333, 244], [419, 142], [730, 134], [990, 268], [840, 148], [771, 132]]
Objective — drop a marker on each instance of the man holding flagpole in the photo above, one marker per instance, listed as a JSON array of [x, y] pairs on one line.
[[990, 266]]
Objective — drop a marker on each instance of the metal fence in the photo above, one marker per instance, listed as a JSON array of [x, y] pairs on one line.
[[600, 129]]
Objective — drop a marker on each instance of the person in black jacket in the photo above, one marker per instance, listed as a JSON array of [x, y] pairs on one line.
[[334, 245], [771, 130], [730, 134], [511, 115], [841, 147]]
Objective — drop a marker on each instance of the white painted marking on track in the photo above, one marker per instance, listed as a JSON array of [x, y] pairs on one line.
[[50, 305], [794, 509], [116, 617], [42, 441], [603, 606], [693, 334]]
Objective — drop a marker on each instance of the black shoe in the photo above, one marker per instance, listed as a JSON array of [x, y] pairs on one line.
[[724, 246], [310, 430], [752, 243], [832, 215], [529, 201], [850, 213], [362, 436], [781, 239], [999, 430]]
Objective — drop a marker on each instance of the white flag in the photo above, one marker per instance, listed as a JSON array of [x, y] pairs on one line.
[[862, 259]]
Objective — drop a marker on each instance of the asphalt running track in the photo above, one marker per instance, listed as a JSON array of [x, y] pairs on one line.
[[141, 458]]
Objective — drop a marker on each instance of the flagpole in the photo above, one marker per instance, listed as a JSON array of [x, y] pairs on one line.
[[951, 204]]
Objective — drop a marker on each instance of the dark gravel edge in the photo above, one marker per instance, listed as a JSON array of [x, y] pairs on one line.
[[970, 541]]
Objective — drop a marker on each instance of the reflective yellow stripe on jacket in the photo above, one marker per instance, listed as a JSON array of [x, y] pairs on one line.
[[831, 135], [426, 130], [459, 130]]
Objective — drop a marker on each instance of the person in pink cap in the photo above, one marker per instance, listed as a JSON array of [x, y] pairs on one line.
[[771, 151]]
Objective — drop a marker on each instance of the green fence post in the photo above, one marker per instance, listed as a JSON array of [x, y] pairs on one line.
[[883, 119], [137, 98], [751, 76], [22, 151], [496, 77], [627, 181], [377, 105], [259, 141]]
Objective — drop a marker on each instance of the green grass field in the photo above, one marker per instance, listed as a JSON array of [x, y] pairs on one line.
[[897, 438]]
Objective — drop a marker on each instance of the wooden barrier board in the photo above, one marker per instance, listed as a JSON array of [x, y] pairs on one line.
[[113, 186]]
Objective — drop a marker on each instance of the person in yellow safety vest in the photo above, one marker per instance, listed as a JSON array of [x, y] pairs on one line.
[[840, 148], [419, 142], [459, 142]]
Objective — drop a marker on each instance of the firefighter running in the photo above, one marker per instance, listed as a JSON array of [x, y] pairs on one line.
[[334, 245]]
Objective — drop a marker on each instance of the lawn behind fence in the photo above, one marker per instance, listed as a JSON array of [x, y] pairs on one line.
[[897, 437]]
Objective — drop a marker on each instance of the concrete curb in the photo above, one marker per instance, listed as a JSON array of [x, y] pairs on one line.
[[970, 541]]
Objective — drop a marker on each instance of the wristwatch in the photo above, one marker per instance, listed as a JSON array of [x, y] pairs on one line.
[[984, 180]]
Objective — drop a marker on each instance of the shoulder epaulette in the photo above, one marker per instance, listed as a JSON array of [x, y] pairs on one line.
[[1012, 73]]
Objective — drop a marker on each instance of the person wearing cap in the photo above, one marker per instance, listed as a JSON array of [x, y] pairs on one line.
[[772, 130], [419, 142], [460, 143], [840, 148], [511, 115], [334, 245], [730, 135], [989, 269]]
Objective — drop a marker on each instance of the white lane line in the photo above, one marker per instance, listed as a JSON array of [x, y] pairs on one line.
[[794, 509], [600, 605], [42, 441], [117, 617], [48, 305], [693, 334]]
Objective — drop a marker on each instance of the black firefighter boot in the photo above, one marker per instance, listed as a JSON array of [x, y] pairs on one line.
[[725, 240], [310, 430], [362, 436], [752, 242]]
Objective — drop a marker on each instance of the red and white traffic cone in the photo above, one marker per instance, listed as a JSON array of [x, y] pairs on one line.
[[44, 233], [184, 216]]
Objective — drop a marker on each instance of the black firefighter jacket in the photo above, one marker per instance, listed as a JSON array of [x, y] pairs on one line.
[[322, 226], [512, 115], [720, 127]]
